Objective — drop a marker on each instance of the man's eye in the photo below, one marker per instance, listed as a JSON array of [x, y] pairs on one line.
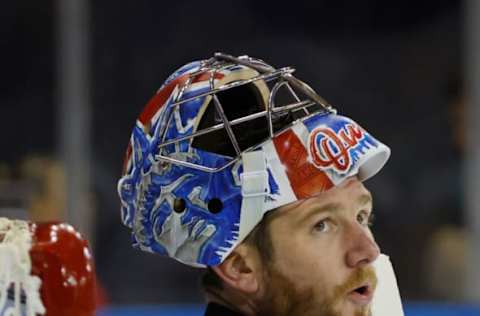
[[322, 226], [365, 219]]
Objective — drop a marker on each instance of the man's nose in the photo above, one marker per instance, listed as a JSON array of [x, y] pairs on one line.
[[362, 248]]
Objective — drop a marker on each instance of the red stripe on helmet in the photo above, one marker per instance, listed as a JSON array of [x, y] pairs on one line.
[[306, 179], [126, 160]]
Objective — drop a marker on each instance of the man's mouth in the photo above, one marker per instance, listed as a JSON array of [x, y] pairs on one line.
[[361, 295]]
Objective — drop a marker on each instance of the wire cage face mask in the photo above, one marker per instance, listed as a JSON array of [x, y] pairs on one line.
[[223, 141], [201, 84]]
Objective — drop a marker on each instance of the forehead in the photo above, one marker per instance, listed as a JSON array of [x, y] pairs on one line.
[[349, 193]]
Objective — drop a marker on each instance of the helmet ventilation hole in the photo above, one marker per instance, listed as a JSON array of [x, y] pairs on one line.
[[179, 205], [215, 206]]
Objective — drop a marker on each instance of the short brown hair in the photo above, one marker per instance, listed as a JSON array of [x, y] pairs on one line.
[[259, 238]]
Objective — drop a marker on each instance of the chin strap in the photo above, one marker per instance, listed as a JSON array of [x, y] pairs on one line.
[[255, 188], [386, 300]]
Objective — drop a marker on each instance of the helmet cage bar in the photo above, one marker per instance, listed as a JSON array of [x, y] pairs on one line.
[[228, 126], [254, 63], [271, 103], [265, 77], [219, 111], [291, 107], [262, 67], [268, 73]]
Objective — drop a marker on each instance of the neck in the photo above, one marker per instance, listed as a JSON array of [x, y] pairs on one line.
[[233, 300]]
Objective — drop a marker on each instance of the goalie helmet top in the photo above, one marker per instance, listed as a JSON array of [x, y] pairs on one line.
[[225, 140]]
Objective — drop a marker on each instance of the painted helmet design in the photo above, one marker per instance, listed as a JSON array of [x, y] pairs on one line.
[[222, 142], [45, 269]]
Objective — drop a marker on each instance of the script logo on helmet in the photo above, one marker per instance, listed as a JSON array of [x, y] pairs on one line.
[[330, 149]]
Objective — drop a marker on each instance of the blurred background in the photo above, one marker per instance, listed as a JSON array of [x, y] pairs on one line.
[[75, 74]]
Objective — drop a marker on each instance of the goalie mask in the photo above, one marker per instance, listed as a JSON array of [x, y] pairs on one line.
[[222, 142], [45, 269]]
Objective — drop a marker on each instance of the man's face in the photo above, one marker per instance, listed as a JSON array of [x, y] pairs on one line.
[[322, 254]]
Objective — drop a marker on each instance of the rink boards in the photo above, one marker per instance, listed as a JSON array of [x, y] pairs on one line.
[[412, 309]]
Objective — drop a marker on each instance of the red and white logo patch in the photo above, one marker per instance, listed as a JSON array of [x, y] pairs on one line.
[[332, 150]]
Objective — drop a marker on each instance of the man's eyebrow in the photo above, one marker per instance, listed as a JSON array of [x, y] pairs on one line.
[[313, 210], [364, 199]]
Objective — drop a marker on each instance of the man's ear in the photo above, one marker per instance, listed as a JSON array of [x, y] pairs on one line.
[[240, 270]]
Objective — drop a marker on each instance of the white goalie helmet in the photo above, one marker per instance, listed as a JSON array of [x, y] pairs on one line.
[[222, 142]]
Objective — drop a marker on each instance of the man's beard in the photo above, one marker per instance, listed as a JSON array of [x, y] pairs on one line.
[[284, 297]]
